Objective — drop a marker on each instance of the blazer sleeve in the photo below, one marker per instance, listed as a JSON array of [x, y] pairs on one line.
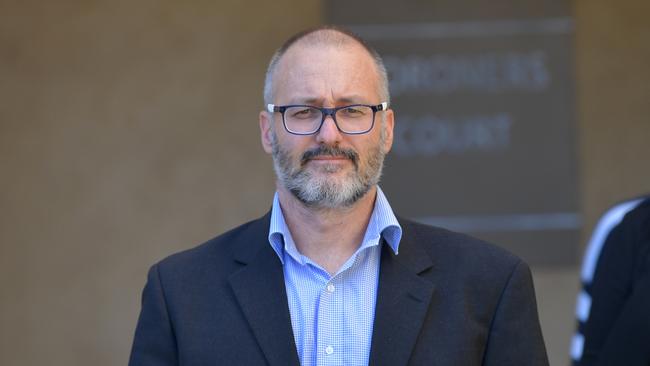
[[515, 336], [154, 342]]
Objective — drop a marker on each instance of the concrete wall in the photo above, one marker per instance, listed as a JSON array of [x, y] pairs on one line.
[[128, 131], [613, 74]]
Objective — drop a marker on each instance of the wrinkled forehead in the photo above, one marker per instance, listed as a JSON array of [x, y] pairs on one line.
[[340, 69]]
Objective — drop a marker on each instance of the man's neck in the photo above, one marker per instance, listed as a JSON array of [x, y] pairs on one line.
[[328, 237]]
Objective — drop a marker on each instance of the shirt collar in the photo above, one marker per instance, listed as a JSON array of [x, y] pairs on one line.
[[382, 223]]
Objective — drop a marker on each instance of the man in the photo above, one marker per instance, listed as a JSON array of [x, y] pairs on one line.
[[330, 276]]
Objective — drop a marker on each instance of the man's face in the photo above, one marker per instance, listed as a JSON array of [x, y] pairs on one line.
[[329, 169]]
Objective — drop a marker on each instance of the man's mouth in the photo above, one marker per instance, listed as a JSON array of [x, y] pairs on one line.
[[329, 154], [329, 157]]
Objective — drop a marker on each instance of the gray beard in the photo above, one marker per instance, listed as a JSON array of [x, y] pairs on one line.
[[322, 192]]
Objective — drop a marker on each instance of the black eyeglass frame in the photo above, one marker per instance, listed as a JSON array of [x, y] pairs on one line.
[[271, 108]]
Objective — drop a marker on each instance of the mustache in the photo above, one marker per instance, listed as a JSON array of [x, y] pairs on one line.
[[329, 151]]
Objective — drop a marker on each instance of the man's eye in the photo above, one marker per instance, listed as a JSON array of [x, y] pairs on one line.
[[303, 113], [353, 112]]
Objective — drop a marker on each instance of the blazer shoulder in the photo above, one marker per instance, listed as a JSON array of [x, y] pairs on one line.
[[451, 249]]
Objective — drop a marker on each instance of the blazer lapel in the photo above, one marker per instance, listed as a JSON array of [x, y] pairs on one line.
[[403, 298], [259, 288]]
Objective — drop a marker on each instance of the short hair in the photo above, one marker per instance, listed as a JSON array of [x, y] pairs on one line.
[[331, 35]]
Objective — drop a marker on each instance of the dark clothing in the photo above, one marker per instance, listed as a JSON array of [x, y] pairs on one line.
[[446, 299], [617, 331]]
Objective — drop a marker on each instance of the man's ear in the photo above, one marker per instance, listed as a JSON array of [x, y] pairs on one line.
[[266, 131], [389, 124]]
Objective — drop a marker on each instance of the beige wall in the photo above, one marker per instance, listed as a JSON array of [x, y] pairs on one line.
[[128, 131], [613, 74]]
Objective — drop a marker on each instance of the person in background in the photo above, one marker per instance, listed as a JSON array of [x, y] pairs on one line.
[[614, 307]]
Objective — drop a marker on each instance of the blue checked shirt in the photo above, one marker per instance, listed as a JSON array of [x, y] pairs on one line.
[[332, 316]]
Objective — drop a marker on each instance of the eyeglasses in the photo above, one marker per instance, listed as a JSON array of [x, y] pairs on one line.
[[355, 119]]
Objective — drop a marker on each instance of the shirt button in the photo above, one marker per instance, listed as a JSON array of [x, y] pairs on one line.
[[329, 350], [330, 288]]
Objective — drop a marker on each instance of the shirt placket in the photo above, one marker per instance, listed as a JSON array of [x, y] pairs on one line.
[[330, 322]]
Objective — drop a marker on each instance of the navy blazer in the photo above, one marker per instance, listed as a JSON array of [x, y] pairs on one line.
[[447, 299]]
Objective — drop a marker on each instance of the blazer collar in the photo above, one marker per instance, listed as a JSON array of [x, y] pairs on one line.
[[403, 299], [260, 291]]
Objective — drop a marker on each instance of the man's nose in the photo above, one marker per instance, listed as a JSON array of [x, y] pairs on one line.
[[328, 133]]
